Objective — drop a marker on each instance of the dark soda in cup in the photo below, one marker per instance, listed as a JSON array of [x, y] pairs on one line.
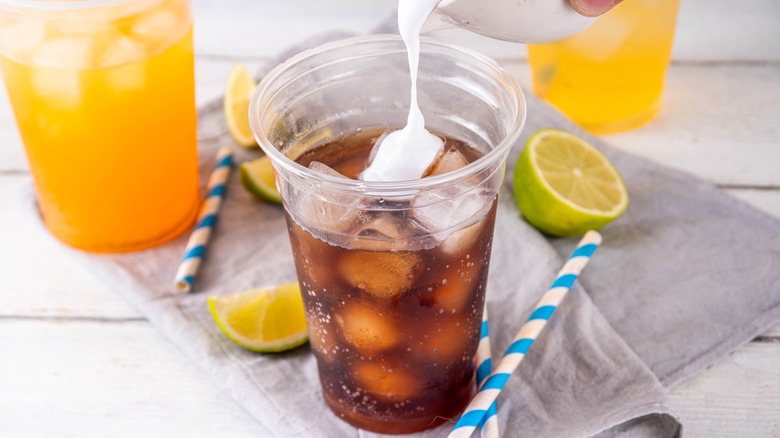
[[394, 310], [393, 274]]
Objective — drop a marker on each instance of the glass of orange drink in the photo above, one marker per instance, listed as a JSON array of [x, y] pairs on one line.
[[609, 78], [103, 95]]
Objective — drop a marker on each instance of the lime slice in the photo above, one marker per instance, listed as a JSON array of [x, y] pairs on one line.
[[267, 319], [240, 85], [564, 186], [257, 176]]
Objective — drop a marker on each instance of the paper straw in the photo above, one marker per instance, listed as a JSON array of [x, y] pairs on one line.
[[199, 239], [484, 361], [497, 379]]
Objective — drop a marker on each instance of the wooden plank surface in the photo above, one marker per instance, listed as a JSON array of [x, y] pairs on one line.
[[40, 279], [83, 359], [740, 397], [103, 378]]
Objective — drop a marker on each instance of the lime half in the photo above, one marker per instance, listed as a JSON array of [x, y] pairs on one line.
[[238, 93], [267, 319], [564, 186], [257, 176]]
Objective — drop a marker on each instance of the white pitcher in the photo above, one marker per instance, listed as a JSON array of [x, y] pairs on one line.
[[525, 21]]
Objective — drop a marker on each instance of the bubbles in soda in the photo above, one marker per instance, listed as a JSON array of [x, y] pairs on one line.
[[378, 273], [457, 285], [399, 298], [389, 382], [366, 328]]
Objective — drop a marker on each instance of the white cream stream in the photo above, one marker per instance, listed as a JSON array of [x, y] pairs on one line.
[[406, 154]]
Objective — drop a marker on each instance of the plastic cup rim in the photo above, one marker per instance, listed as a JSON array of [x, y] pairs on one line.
[[387, 188]]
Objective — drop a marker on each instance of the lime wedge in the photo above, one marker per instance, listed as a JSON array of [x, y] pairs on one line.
[[238, 92], [257, 176], [564, 186], [267, 320]]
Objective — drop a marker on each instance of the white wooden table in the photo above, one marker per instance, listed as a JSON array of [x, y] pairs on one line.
[[75, 360]]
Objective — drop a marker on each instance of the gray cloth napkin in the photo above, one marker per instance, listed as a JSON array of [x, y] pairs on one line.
[[579, 378], [685, 276], [688, 273]]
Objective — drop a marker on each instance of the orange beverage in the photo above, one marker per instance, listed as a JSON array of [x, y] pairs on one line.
[[103, 94], [609, 77]]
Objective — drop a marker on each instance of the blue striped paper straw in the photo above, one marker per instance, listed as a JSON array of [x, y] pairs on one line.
[[199, 239], [481, 403], [489, 425]]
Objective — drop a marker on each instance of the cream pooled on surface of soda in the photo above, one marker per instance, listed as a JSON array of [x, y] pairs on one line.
[[406, 154]]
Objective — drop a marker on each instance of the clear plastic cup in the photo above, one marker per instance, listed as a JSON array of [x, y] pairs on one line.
[[393, 274]]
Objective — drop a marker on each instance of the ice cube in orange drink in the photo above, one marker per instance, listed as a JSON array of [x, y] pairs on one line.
[[104, 102]]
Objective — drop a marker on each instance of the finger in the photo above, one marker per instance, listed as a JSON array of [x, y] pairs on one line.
[[593, 8]]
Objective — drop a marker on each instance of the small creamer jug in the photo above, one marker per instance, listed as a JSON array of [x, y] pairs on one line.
[[524, 21]]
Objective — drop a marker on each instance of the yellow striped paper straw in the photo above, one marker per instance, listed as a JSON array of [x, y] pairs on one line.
[[199, 239], [495, 382], [489, 425]]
